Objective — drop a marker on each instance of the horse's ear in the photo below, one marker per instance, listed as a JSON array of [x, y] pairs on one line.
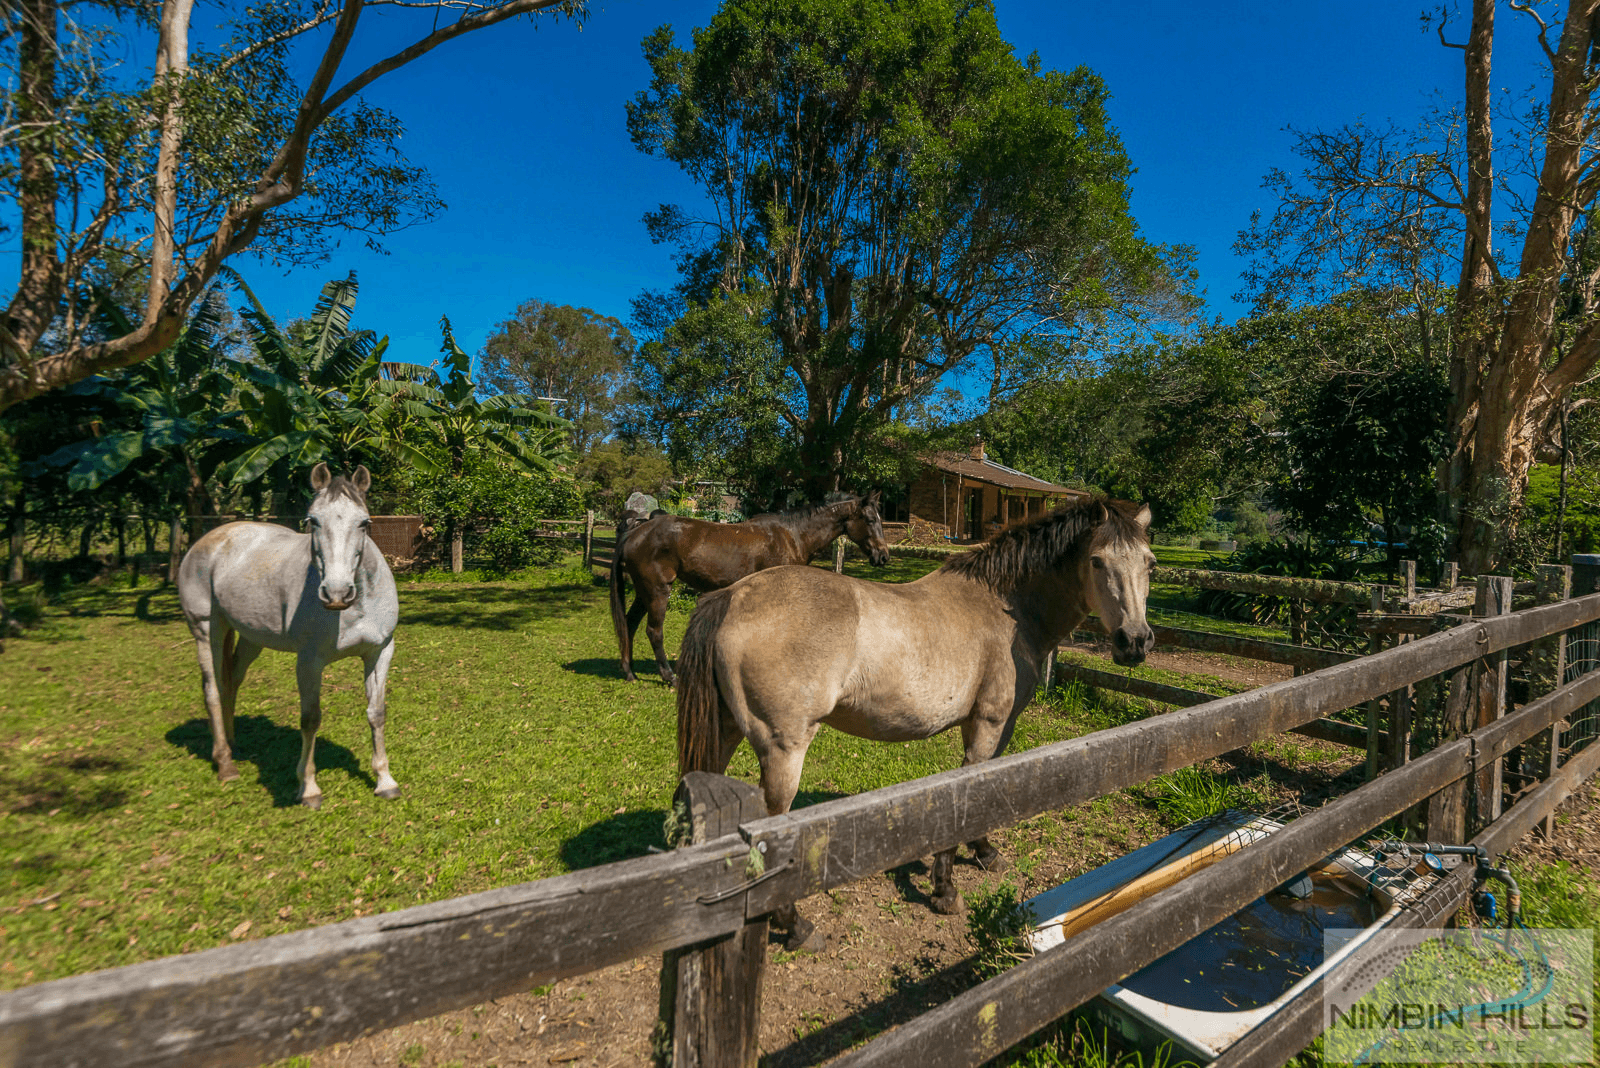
[[320, 477], [1102, 513], [362, 479], [1143, 516], [874, 497]]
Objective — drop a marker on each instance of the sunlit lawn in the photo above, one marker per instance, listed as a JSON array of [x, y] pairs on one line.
[[520, 752]]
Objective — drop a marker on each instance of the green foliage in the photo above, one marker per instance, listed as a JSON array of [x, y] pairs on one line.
[[614, 469], [1250, 524], [1192, 793], [575, 354], [506, 503], [997, 927], [896, 196], [1541, 503], [1302, 558]]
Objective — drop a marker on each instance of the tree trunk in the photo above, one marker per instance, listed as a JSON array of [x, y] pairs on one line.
[[19, 541], [456, 540], [39, 285]]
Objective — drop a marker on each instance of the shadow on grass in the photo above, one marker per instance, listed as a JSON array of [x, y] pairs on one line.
[[628, 834], [274, 750], [913, 991], [610, 667], [491, 607], [63, 784]]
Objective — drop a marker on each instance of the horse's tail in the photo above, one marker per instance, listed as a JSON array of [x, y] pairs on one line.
[[699, 700], [619, 616]]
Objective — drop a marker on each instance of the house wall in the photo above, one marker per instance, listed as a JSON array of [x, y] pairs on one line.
[[936, 499]]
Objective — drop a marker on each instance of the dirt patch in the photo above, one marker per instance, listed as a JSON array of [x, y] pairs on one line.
[[1236, 669], [889, 959]]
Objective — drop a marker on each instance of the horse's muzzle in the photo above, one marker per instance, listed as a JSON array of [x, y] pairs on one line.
[[1130, 645], [879, 557]]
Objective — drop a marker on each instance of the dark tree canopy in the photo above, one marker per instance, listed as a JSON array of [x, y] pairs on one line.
[[894, 195]]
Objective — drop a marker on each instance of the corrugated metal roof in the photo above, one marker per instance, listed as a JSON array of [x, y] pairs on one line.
[[987, 470]]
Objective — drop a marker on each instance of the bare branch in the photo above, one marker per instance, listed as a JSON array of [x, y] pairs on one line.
[[1544, 28]]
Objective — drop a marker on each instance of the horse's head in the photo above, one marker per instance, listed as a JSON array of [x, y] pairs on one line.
[[338, 523], [1116, 576], [865, 528]]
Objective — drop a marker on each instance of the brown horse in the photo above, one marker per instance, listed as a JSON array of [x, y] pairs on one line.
[[781, 653], [710, 556]]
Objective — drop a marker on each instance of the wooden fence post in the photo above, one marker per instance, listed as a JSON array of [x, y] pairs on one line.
[[1402, 700], [838, 556], [1547, 667], [1452, 573], [588, 538], [711, 993], [1408, 578], [1374, 706], [1494, 599]]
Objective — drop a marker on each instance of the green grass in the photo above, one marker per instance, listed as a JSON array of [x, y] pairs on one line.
[[520, 752]]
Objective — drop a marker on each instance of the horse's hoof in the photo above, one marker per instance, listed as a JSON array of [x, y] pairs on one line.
[[805, 937], [227, 773], [993, 862], [313, 802], [388, 793], [947, 904]]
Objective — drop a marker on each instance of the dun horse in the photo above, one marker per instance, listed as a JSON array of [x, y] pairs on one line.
[[781, 653], [709, 556], [324, 595]]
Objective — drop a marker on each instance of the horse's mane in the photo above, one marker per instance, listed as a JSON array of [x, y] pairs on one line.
[[343, 487], [1026, 549], [805, 511]]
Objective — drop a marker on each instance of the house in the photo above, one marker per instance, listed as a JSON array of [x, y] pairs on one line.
[[968, 497]]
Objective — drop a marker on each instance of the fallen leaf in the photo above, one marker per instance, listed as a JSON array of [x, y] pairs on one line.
[[240, 931], [283, 913]]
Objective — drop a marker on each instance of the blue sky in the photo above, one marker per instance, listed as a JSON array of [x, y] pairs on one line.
[[522, 128]]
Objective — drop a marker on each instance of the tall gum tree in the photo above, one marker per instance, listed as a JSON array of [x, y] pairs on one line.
[[900, 195], [146, 187], [1500, 226]]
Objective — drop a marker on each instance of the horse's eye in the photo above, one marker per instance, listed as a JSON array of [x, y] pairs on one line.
[[366, 524], [1098, 563]]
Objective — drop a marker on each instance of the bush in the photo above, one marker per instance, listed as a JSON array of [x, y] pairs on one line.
[[1296, 559], [506, 505]]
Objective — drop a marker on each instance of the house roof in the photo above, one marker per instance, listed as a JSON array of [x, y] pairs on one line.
[[986, 470]]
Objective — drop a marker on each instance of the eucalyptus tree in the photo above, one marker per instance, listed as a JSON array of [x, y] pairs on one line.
[[897, 196], [576, 356], [145, 167], [1490, 204]]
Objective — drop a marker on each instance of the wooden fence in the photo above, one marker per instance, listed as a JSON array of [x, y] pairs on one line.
[[705, 905]]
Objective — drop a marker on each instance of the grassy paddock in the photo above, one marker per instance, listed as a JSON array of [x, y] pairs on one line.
[[520, 752]]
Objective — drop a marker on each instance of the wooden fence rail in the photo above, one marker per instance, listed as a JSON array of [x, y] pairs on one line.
[[257, 1001]]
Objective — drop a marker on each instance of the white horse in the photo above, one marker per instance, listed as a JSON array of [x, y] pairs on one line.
[[324, 595]]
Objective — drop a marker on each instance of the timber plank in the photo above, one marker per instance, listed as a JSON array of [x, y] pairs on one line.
[[259, 1001]]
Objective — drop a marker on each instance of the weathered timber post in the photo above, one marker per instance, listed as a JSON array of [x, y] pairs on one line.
[[1494, 599], [1585, 573], [1452, 574], [174, 547], [588, 538], [838, 556], [1374, 706], [711, 993], [1547, 667], [1402, 700]]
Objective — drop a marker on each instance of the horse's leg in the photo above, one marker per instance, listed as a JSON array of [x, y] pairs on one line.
[[658, 617], [308, 673], [984, 737], [209, 639], [377, 668], [780, 781], [244, 654], [635, 615]]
